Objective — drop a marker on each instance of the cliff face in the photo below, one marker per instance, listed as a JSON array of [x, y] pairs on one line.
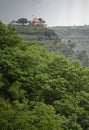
[[36, 33]]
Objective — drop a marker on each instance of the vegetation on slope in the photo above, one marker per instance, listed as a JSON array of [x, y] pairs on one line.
[[77, 34], [61, 45], [40, 90], [78, 38], [54, 44], [38, 33]]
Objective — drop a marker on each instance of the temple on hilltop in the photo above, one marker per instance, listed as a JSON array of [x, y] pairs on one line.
[[35, 21]]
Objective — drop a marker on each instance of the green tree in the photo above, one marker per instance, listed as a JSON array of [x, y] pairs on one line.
[[7, 115], [8, 36], [42, 21], [22, 21], [40, 90]]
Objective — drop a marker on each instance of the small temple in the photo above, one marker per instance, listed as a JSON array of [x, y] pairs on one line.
[[35, 21]]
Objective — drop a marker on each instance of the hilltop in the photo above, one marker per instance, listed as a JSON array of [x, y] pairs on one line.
[[36, 33]]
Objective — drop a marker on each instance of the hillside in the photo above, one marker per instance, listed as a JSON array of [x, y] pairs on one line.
[[40, 90], [36, 33], [56, 40], [79, 35]]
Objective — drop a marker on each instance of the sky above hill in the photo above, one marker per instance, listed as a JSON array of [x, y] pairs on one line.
[[55, 12]]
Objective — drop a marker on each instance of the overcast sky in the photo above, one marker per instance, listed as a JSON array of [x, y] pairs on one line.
[[55, 12]]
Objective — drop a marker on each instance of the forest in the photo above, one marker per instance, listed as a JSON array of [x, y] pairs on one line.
[[40, 90]]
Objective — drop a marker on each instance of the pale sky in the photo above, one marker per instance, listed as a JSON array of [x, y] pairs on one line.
[[54, 12]]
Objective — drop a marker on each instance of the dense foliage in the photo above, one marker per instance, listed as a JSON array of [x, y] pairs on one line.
[[22, 21], [40, 90]]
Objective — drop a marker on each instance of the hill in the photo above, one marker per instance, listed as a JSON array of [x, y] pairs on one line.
[[75, 36], [40, 90], [44, 34], [69, 41], [36, 33]]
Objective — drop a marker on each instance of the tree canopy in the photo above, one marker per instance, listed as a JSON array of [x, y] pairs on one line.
[[40, 90], [22, 21]]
